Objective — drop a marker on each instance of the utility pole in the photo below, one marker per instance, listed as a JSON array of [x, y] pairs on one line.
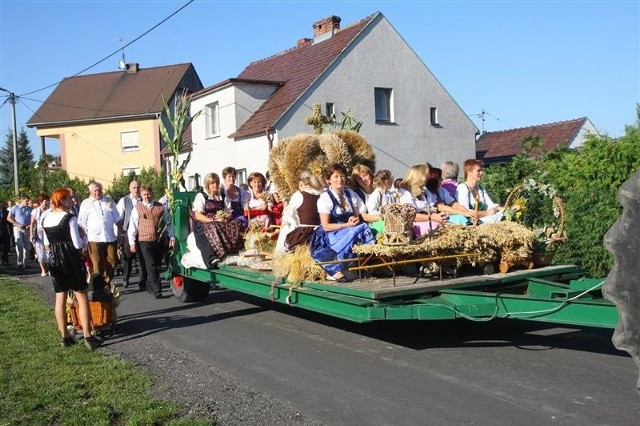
[[12, 101]]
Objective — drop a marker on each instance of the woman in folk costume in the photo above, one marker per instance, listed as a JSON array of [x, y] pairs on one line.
[[301, 217], [234, 197], [342, 224], [441, 200], [412, 193], [260, 204], [64, 245], [474, 197], [217, 232]]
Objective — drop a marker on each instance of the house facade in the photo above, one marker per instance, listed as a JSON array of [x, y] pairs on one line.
[[502, 146], [108, 124], [366, 69]]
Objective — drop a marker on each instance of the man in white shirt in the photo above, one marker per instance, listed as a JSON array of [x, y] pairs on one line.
[[125, 206], [98, 217]]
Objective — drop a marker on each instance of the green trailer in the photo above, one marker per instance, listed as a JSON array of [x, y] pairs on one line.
[[556, 294]]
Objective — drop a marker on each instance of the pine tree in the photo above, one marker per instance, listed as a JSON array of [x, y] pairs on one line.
[[25, 160]]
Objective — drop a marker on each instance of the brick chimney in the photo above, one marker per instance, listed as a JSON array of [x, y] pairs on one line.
[[132, 68], [304, 42], [325, 28]]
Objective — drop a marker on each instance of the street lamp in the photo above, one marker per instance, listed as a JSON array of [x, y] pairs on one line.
[[12, 101]]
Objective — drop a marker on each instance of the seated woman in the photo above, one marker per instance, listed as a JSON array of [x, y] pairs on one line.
[[475, 198], [217, 232], [341, 224], [439, 199], [449, 176], [300, 218], [380, 197], [234, 197], [260, 203], [362, 181], [412, 192]]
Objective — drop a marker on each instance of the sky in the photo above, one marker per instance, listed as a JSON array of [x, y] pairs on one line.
[[521, 62]]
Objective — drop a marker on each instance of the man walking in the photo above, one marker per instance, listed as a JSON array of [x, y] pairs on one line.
[[20, 217], [125, 207], [99, 217], [149, 220]]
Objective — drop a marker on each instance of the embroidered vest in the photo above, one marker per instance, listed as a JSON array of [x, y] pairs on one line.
[[308, 210], [334, 215], [148, 220]]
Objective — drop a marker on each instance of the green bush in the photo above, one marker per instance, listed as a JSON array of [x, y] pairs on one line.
[[588, 180]]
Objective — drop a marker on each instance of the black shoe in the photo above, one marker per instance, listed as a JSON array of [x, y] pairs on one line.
[[91, 342], [158, 295], [67, 341]]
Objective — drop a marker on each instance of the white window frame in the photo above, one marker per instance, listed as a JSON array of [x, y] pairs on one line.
[[127, 170], [383, 104], [212, 116], [129, 141], [433, 116], [241, 176]]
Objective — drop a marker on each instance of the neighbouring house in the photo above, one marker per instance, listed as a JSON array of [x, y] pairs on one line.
[[108, 123], [502, 146], [366, 69]]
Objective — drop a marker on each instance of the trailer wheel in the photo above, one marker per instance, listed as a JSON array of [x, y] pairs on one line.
[[188, 290]]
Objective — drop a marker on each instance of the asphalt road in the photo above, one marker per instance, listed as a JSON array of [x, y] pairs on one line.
[[324, 370]]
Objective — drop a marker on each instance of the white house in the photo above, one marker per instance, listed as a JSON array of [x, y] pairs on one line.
[[365, 68]]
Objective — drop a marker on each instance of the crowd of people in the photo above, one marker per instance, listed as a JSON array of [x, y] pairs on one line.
[[73, 240], [333, 212]]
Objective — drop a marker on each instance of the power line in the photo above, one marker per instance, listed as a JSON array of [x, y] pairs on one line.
[[118, 50]]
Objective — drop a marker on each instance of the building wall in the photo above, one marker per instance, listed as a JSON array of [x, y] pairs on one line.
[[382, 59], [236, 103], [586, 129], [94, 152]]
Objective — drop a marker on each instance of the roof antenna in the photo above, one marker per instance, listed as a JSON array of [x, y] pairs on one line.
[[123, 64]]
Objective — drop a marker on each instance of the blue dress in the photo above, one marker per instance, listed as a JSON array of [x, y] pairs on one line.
[[338, 245]]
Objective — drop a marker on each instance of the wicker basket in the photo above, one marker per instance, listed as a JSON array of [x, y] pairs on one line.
[[100, 314], [554, 237], [398, 219]]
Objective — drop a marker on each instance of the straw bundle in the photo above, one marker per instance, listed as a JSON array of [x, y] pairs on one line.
[[359, 149]]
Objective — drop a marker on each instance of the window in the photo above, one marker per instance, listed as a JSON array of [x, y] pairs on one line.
[[129, 141], [191, 183], [330, 109], [126, 171], [433, 113], [241, 176], [384, 105], [213, 120]]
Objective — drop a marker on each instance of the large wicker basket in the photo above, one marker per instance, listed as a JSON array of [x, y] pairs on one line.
[[553, 234], [100, 315], [398, 219]]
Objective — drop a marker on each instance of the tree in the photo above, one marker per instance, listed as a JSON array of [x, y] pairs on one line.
[[148, 176], [25, 161]]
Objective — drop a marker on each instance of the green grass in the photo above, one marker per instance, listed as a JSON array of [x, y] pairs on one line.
[[42, 382]]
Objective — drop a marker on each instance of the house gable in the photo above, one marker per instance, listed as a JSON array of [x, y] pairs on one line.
[[298, 68]]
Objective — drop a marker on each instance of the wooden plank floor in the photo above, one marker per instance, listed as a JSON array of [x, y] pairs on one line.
[[383, 288]]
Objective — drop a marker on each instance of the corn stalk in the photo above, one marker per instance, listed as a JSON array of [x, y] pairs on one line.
[[179, 120]]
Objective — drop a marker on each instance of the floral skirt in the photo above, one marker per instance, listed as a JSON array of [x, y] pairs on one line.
[[224, 236]]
